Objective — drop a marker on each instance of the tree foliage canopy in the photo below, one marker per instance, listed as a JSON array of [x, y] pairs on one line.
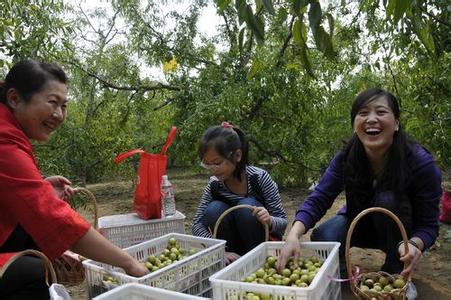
[[286, 72]]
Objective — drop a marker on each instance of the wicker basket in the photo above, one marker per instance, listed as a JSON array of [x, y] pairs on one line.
[[225, 213], [68, 267], [49, 271], [394, 294]]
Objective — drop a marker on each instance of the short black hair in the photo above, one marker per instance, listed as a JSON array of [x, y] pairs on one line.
[[29, 77]]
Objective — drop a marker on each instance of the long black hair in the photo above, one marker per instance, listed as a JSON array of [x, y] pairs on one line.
[[226, 139], [396, 173], [29, 77]]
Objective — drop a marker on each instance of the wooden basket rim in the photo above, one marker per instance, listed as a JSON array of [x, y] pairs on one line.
[[225, 213], [49, 270]]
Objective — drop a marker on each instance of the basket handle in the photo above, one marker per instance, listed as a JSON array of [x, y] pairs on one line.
[[354, 223], [222, 216], [93, 200], [49, 270]]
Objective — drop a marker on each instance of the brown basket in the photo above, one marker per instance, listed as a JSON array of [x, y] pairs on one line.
[[49, 271], [222, 216], [68, 267], [395, 294]]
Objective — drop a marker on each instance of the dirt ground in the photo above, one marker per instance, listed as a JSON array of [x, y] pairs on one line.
[[432, 278]]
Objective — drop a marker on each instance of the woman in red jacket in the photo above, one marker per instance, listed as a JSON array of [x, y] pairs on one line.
[[33, 213]]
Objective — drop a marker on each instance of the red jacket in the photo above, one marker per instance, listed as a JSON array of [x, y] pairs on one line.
[[29, 200]]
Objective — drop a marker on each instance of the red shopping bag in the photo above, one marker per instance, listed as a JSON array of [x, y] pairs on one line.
[[151, 168], [445, 214]]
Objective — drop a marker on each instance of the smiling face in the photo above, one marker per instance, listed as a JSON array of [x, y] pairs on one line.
[[220, 166], [43, 113], [375, 125]]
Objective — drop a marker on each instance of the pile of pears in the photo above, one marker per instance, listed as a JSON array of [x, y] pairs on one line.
[[300, 275], [381, 284], [171, 254]]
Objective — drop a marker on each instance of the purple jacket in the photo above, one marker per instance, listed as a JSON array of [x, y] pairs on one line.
[[424, 194]]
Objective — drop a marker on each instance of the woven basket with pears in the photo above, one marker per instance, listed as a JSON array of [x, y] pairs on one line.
[[377, 285]]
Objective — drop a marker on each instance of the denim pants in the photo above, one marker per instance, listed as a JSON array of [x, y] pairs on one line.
[[374, 230], [240, 228]]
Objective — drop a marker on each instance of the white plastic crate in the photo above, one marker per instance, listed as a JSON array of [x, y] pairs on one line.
[[227, 283], [189, 275], [128, 229], [136, 291]]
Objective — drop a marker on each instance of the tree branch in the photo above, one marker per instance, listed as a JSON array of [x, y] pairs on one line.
[[271, 153], [141, 88], [286, 42], [165, 102], [434, 17], [229, 32]]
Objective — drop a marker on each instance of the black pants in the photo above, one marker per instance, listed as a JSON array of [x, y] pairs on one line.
[[376, 231], [24, 278]]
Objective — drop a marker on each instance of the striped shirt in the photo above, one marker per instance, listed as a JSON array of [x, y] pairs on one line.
[[270, 194]]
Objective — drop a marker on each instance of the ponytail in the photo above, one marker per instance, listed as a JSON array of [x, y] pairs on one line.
[[241, 165]]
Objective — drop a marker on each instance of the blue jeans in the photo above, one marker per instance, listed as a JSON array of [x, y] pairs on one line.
[[376, 231], [240, 228]]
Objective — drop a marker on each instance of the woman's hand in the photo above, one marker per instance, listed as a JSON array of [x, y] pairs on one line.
[[136, 269], [291, 248], [262, 215], [62, 187], [230, 257], [411, 259]]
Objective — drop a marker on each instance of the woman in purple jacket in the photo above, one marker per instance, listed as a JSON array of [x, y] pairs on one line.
[[379, 166]]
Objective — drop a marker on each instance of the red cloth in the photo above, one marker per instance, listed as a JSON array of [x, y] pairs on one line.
[[4, 257], [445, 215], [29, 200]]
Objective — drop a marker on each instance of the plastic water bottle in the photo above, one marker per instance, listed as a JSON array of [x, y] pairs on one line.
[[411, 291], [167, 197]]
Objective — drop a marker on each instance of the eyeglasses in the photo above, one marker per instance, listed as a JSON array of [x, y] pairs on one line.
[[213, 166], [216, 166]]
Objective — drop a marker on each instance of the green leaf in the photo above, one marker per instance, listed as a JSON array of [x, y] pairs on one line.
[[305, 60], [299, 32], [400, 8], [298, 5], [241, 38], [390, 9], [269, 6], [255, 24], [282, 14], [222, 4], [330, 19], [241, 8], [258, 5], [326, 41], [256, 66], [426, 38], [315, 14]]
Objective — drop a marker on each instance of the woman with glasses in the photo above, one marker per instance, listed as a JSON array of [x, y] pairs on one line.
[[224, 152]]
